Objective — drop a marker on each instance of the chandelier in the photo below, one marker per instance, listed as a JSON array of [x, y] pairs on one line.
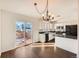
[[46, 16]]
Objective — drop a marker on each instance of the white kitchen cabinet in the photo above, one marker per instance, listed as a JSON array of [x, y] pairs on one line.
[[67, 44], [51, 36], [42, 37]]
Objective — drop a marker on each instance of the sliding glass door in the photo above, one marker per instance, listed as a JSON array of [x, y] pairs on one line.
[[23, 33], [28, 33]]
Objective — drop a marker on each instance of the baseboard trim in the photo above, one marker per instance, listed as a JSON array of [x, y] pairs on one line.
[[16, 48]]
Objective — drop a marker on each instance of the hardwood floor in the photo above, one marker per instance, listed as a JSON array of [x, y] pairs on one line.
[[38, 52]]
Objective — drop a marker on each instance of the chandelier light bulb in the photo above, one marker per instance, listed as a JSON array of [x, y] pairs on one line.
[[52, 15], [45, 14], [49, 14], [42, 15]]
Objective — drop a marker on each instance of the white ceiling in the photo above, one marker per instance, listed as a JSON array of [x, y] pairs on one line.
[[65, 8]]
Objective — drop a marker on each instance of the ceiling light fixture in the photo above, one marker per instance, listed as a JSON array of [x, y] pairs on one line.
[[46, 15]]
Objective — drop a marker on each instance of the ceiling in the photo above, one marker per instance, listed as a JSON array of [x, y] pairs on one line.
[[64, 8]]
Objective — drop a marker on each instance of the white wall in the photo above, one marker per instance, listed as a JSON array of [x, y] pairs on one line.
[[0, 32], [9, 19], [35, 25], [8, 31]]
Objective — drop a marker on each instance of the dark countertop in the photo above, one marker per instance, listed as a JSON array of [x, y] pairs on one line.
[[58, 35], [66, 36], [43, 32]]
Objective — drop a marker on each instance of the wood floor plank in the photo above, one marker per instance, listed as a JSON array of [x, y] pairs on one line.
[[38, 52]]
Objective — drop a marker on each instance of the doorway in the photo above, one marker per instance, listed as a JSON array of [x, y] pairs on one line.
[[23, 33]]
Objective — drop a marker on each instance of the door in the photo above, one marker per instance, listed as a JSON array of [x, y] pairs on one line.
[[23, 33]]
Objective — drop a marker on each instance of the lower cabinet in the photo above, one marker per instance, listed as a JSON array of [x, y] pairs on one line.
[[67, 44], [42, 37]]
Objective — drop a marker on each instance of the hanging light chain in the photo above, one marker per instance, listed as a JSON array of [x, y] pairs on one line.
[[41, 12], [47, 16]]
